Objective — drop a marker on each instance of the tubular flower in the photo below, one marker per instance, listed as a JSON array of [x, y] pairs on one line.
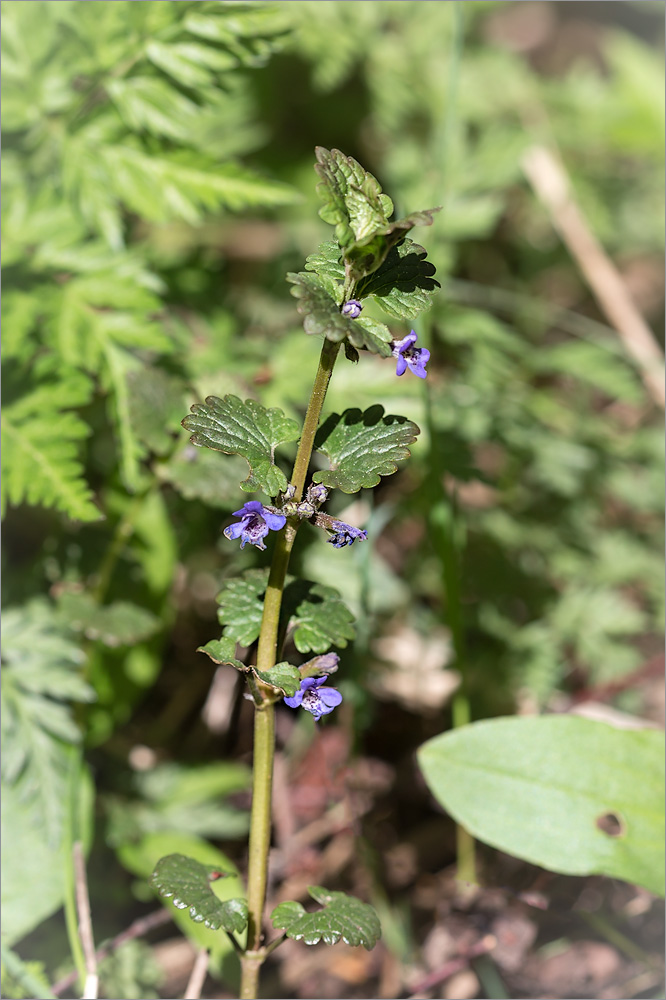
[[408, 356], [314, 698], [345, 534], [352, 309], [255, 523]]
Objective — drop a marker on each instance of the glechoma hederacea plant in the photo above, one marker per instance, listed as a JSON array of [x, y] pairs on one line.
[[370, 257]]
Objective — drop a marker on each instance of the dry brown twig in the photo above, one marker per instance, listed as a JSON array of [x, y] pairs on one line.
[[136, 929], [197, 976], [551, 185], [91, 986]]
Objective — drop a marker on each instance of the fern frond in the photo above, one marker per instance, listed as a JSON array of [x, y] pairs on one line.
[[40, 449]]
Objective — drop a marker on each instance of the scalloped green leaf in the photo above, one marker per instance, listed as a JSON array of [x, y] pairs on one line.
[[362, 446], [404, 283], [315, 612], [355, 205], [117, 624], [222, 651], [320, 619], [283, 676], [327, 261], [241, 605], [319, 300], [352, 196], [367, 256], [247, 429], [342, 916], [187, 883]]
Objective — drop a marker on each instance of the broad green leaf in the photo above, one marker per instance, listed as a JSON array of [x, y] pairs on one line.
[[222, 651], [342, 916], [404, 283], [362, 446], [353, 199], [187, 882], [42, 671], [247, 429], [141, 858], [319, 302], [240, 607], [318, 617], [541, 788], [117, 624], [283, 676], [35, 854]]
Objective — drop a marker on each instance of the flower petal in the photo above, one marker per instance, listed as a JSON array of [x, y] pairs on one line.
[[295, 700], [330, 697], [274, 521], [401, 366], [234, 530]]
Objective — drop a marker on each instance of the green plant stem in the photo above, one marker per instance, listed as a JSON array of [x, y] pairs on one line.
[[264, 717]]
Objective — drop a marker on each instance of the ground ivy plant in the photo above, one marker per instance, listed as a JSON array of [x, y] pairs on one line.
[[371, 256]]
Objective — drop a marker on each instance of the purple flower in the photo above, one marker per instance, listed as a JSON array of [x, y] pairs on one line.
[[255, 522], [345, 534], [314, 698], [352, 309], [414, 358]]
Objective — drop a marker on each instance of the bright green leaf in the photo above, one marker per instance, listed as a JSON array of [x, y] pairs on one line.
[[283, 676], [319, 303], [241, 607], [353, 199], [319, 618], [187, 882], [222, 651], [342, 916], [246, 429], [362, 446], [404, 283], [540, 789]]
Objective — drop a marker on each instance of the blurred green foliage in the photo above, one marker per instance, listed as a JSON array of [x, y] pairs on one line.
[[157, 185]]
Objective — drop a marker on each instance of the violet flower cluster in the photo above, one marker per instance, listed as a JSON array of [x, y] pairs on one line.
[[255, 523], [314, 697]]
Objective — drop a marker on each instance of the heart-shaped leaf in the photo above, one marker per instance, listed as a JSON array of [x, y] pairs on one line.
[[187, 882], [320, 619], [246, 429], [319, 303], [342, 916], [404, 283], [573, 795], [362, 446], [222, 651], [241, 606], [317, 615]]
